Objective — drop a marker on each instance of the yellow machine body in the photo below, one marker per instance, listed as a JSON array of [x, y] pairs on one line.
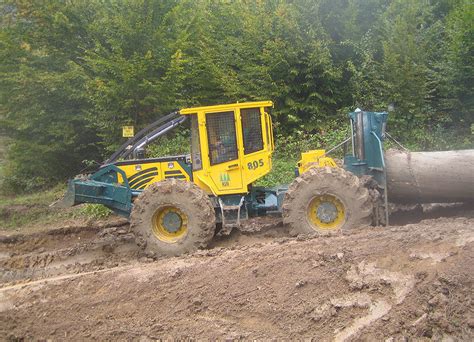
[[314, 158], [231, 147], [142, 173]]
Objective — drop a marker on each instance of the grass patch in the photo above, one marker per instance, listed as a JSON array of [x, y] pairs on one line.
[[34, 199], [288, 152], [94, 211], [17, 218], [29, 209], [17, 212], [282, 173]]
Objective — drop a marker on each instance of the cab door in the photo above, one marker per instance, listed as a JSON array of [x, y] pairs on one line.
[[257, 143], [225, 170]]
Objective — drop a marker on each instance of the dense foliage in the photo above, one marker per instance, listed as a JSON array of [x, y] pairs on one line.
[[73, 72]]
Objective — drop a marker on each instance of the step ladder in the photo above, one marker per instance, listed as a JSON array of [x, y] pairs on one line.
[[230, 216]]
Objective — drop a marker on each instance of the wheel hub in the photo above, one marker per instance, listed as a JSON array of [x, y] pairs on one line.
[[327, 212], [172, 222], [169, 224]]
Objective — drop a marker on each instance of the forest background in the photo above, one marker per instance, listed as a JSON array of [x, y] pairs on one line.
[[73, 72]]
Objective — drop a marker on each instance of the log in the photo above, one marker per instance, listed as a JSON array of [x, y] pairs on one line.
[[430, 177]]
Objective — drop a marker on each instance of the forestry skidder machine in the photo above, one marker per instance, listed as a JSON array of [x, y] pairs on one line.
[[174, 202]]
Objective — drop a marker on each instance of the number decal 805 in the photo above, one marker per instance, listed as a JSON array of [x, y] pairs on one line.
[[255, 164]]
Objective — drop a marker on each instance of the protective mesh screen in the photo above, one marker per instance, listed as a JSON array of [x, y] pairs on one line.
[[252, 130], [221, 135]]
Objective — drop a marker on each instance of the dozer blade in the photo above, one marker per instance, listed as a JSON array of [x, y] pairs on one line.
[[101, 187], [68, 199]]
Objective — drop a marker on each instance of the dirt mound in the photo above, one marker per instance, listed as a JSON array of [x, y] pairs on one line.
[[412, 281]]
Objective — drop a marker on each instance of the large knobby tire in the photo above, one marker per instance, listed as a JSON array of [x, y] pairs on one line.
[[326, 201], [173, 217]]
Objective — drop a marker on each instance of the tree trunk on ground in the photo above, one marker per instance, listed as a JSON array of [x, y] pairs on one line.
[[430, 177]]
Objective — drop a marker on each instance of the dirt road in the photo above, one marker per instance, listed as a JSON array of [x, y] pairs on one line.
[[91, 283]]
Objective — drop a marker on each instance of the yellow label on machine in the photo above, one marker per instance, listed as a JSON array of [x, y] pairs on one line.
[[128, 131], [314, 158]]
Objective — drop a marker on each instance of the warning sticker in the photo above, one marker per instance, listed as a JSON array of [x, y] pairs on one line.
[[127, 131]]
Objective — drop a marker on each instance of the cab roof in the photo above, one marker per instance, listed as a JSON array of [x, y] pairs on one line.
[[226, 107]]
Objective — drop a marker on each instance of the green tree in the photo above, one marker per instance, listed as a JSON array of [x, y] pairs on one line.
[[42, 104], [456, 66], [73, 72]]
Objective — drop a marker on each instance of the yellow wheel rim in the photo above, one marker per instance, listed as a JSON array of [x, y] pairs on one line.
[[169, 224], [326, 212]]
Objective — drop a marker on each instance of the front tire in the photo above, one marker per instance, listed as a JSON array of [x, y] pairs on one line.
[[173, 217], [326, 201]]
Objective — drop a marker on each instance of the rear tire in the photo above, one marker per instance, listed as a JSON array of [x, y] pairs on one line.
[[173, 217], [326, 201]]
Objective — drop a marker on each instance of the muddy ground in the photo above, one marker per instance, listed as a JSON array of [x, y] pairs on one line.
[[412, 280]]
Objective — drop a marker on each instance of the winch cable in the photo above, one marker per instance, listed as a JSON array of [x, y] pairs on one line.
[[396, 142]]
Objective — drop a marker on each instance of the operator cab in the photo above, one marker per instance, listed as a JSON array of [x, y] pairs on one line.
[[231, 145]]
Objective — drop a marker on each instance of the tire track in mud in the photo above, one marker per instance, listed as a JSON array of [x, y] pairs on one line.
[[66, 250], [372, 284], [92, 247], [88, 248], [367, 274]]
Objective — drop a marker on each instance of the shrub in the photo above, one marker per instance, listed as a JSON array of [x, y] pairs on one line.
[[95, 211]]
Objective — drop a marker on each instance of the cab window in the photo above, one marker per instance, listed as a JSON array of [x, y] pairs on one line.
[[221, 137], [252, 130], [195, 144]]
